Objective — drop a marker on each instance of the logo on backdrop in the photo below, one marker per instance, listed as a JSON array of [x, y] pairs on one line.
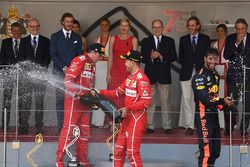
[[11, 15], [178, 22]]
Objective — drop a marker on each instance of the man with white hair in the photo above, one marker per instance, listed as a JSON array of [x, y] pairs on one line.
[[35, 49]]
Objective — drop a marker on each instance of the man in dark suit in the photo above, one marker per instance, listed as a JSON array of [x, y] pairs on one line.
[[192, 49], [0, 43], [9, 55], [158, 53], [64, 46], [35, 49], [237, 51]]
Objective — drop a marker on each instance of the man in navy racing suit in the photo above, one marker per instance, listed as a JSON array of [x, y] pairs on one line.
[[206, 91]]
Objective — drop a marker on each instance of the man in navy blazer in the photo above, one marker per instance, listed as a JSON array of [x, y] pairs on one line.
[[36, 50], [64, 46], [192, 49], [9, 55], [158, 52], [237, 51]]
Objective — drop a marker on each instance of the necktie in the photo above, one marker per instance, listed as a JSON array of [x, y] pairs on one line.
[[34, 43], [241, 45], [16, 48], [194, 43], [67, 35], [158, 44]]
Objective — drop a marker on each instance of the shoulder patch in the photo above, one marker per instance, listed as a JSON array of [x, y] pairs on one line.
[[139, 76], [200, 87], [208, 78], [82, 57], [216, 77], [199, 79], [128, 82], [143, 83], [133, 84], [214, 89], [144, 93], [73, 67]]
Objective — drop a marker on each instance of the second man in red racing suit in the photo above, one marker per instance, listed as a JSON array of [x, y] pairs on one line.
[[79, 79], [136, 89]]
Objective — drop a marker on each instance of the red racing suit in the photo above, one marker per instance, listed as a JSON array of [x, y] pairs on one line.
[[80, 75], [137, 99]]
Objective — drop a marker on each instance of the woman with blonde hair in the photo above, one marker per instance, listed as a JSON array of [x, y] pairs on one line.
[[119, 45]]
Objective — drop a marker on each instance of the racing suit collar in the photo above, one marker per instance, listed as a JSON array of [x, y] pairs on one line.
[[89, 59], [135, 73], [208, 70]]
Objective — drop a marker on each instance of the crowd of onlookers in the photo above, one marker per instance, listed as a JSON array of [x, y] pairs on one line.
[[158, 52]]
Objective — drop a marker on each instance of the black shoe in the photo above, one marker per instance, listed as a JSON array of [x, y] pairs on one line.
[[168, 131], [150, 130], [189, 132]]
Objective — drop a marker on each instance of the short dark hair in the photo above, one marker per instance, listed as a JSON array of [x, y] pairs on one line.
[[66, 15], [157, 20], [76, 22], [212, 51], [242, 21], [106, 20], [196, 19], [15, 24], [223, 26]]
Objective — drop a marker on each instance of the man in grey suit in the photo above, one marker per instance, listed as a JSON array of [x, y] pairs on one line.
[[64, 46]]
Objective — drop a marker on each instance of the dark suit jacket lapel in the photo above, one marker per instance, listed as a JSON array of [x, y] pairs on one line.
[[189, 42], [29, 42], [10, 44], [198, 41], [72, 38], [62, 34], [40, 43], [30, 46], [247, 41], [161, 41], [152, 40]]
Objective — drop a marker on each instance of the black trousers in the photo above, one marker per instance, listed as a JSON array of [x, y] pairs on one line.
[[29, 91], [9, 82], [234, 91], [246, 115], [60, 95], [208, 130], [7, 96]]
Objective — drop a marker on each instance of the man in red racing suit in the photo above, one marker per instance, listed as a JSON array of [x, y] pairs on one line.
[[136, 89], [79, 79]]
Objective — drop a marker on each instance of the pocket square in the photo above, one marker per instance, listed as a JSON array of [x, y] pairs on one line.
[[75, 41]]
